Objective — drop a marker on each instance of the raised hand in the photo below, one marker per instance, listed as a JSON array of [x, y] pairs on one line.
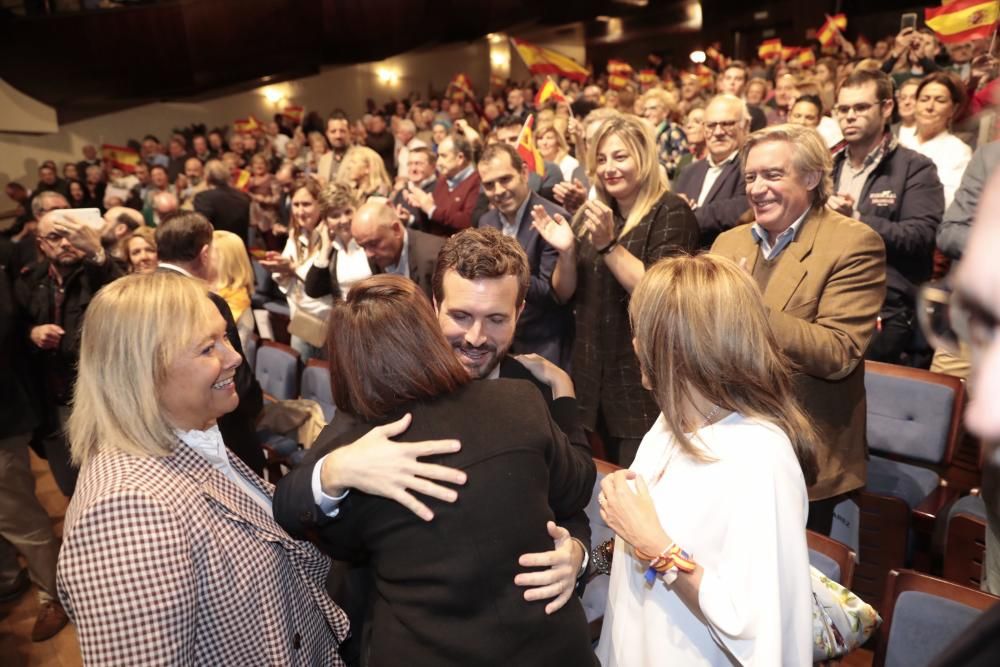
[[556, 231]]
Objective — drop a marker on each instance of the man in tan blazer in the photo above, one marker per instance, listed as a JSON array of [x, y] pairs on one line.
[[823, 280]]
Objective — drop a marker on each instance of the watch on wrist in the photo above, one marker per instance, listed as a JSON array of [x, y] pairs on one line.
[[98, 257]]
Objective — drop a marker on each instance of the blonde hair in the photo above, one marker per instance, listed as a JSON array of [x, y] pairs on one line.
[[664, 97], [641, 146], [376, 182], [809, 155], [231, 262], [701, 326], [544, 129], [133, 331], [145, 233]]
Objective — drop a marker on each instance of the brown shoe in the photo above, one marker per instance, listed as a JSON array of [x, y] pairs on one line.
[[51, 619]]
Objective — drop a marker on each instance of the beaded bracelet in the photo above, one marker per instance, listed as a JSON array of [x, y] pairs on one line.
[[667, 563]]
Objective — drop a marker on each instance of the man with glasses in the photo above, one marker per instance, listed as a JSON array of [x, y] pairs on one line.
[[52, 299], [896, 192], [714, 187]]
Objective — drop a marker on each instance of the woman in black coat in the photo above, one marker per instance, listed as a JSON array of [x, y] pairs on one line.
[[445, 592]]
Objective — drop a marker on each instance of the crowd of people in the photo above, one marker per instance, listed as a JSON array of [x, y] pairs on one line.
[[687, 275]]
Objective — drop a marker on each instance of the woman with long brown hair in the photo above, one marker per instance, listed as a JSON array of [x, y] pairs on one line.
[[710, 566], [445, 589]]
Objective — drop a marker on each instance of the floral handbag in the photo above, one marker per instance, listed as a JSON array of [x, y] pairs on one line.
[[841, 620]]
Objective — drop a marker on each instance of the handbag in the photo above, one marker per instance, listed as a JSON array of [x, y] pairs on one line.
[[841, 621], [308, 327]]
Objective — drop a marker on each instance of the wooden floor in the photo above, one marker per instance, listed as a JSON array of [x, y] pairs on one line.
[[16, 618]]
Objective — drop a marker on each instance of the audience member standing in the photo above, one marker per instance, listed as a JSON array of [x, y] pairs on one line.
[[896, 192], [633, 222], [449, 207], [823, 280], [53, 298], [226, 208]]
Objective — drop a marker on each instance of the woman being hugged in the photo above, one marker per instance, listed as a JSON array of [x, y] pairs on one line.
[[631, 223], [710, 563]]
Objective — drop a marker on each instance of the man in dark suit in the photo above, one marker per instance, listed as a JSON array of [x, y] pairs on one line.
[[543, 327], [391, 247], [184, 245], [225, 207], [714, 186], [421, 171]]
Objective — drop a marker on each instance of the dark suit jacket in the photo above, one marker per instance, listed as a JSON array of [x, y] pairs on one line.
[[226, 208], [423, 253], [445, 591], [545, 184], [419, 220], [543, 319], [238, 428], [822, 300], [725, 203]]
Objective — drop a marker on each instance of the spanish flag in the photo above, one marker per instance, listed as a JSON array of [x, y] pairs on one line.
[[549, 91], [706, 77], [241, 180], [461, 83], [246, 125], [617, 82], [789, 52], [546, 61], [648, 77], [828, 31], [962, 20], [769, 50], [806, 58], [293, 113], [120, 157], [620, 68], [717, 57], [527, 150]]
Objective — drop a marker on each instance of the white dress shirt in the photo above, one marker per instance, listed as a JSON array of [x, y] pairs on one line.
[[210, 446]]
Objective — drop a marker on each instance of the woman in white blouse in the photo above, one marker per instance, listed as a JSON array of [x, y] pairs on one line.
[[710, 563], [340, 262], [940, 96], [289, 269]]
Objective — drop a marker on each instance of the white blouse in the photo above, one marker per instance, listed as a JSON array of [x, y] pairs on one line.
[[949, 154], [742, 518], [567, 166], [295, 288], [352, 265]]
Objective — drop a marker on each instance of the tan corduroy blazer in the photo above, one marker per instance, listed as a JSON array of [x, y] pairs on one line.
[[823, 300]]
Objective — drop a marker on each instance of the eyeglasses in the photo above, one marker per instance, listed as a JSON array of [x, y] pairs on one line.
[[726, 125], [949, 321], [859, 109]]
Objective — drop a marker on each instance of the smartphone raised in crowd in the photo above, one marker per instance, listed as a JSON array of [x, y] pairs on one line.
[[88, 216], [908, 20]]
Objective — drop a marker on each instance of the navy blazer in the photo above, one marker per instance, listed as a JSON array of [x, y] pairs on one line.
[[543, 317], [725, 203]]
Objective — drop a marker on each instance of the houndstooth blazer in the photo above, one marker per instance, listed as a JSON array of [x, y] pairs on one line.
[[166, 561]]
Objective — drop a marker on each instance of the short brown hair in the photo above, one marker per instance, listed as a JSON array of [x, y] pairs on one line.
[[809, 155], [859, 77], [493, 151], [482, 252], [386, 349], [337, 196], [181, 237]]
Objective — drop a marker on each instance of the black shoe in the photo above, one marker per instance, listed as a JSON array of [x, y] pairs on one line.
[[16, 588]]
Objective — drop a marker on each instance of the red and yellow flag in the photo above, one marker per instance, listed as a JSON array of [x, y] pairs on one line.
[[546, 61], [828, 31], [769, 50], [241, 180], [246, 125], [120, 157], [706, 77], [527, 150], [648, 77], [962, 20], [293, 113], [789, 52], [806, 58], [717, 57], [461, 83], [548, 91]]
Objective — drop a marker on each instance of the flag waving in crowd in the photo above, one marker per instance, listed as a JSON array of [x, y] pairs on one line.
[[549, 91], [963, 20], [546, 61], [527, 149], [120, 157], [770, 50], [827, 32]]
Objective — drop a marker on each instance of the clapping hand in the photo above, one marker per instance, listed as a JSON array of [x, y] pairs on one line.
[[275, 263], [570, 194], [599, 221], [556, 231], [416, 197]]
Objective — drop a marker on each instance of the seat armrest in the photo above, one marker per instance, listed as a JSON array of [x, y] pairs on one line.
[[924, 521]]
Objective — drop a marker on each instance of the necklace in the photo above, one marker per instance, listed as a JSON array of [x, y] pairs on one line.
[[710, 416]]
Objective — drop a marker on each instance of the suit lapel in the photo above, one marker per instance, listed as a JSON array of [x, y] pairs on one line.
[[727, 172], [792, 268]]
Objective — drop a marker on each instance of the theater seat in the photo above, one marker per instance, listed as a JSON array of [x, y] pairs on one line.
[[913, 430], [316, 386], [595, 597], [834, 559], [922, 616], [965, 541], [277, 370]]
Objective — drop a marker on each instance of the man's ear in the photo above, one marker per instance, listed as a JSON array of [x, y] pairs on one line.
[[205, 256], [812, 179]]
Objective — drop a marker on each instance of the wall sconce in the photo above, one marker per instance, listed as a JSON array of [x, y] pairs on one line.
[[387, 76], [697, 57], [273, 96], [500, 60]]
